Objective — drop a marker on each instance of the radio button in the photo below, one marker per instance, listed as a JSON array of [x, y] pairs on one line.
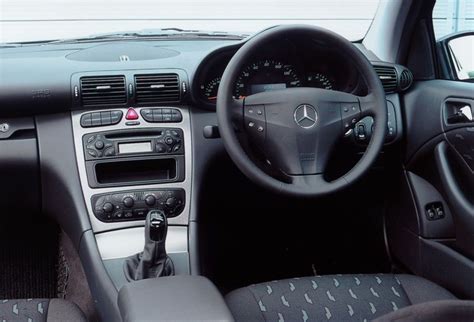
[[110, 152], [92, 153], [160, 148], [169, 140], [99, 145]]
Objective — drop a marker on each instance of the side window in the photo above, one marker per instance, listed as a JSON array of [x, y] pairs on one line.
[[453, 22]]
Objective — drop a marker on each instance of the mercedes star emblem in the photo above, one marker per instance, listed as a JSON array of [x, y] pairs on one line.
[[306, 116]]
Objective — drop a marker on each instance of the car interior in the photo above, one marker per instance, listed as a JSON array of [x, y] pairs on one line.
[[285, 175]]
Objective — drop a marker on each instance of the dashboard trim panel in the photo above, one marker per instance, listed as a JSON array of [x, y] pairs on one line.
[[88, 192]]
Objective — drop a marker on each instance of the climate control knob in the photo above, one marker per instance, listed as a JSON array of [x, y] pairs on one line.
[[171, 202], [150, 200], [108, 207], [128, 202]]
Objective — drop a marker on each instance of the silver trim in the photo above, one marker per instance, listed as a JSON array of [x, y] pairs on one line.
[[300, 118], [126, 242], [88, 192]]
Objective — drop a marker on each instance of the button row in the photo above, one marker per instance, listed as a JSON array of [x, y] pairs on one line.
[[134, 205], [101, 118], [161, 115]]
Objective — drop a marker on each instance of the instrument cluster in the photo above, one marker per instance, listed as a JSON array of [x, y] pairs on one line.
[[275, 70]]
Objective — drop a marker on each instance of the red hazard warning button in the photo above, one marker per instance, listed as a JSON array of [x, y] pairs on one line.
[[131, 114]]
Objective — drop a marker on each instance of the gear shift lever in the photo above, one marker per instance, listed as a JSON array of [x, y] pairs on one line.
[[153, 261]]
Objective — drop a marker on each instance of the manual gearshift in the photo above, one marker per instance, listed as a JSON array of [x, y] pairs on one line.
[[153, 261]]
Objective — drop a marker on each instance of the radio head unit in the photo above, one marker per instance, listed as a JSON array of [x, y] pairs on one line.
[[144, 142], [131, 157]]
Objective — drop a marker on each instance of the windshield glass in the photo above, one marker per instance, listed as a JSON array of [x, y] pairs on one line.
[[37, 20]]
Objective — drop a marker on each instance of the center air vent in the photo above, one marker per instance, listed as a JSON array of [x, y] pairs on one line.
[[157, 88], [388, 77], [101, 90]]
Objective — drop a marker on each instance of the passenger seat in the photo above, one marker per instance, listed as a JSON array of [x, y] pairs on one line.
[[36, 310]]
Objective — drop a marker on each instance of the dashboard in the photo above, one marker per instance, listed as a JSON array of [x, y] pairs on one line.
[[290, 64]]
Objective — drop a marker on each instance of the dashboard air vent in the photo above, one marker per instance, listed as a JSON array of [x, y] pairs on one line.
[[101, 90], [406, 79], [388, 77], [157, 88]]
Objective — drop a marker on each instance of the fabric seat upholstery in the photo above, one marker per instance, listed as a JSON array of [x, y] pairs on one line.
[[332, 297], [36, 310]]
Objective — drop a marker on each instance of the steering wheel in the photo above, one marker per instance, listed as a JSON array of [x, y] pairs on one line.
[[296, 128]]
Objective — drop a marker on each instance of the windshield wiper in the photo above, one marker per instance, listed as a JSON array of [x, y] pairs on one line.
[[150, 34], [165, 33]]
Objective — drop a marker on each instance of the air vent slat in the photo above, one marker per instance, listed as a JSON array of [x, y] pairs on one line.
[[157, 88], [388, 77], [101, 90]]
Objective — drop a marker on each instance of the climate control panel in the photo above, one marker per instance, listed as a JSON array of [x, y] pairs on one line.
[[134, 205]]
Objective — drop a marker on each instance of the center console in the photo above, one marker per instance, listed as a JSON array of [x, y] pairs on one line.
[[131, 161]]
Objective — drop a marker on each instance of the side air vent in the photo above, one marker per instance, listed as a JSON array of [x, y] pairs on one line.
[[157, 88], [101, 90], [388, 77], [406, 79]]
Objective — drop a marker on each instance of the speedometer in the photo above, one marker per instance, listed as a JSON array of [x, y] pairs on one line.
[[319, 80], [264, 76]]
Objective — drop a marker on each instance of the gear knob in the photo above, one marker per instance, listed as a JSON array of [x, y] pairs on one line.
[[156, 226]]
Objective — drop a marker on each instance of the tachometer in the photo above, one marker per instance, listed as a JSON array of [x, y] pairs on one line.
[[318, 80], [264, 76], [209, 89]]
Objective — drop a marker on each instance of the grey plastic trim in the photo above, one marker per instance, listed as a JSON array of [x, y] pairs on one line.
[[126, 242], [384, 35], [88, 192]]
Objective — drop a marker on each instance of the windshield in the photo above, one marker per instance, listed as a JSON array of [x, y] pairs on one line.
[[38, 20]]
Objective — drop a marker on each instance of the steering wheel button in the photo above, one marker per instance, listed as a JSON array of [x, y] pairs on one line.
[[251, 124], [260, 129]]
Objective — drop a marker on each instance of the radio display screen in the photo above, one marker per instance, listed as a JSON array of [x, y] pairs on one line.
[[136, 147]]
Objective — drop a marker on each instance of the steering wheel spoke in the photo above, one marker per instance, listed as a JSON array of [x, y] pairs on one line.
[[304, 182], [368, 105]]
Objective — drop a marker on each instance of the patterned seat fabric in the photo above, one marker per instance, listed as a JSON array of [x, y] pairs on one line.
[[331, 298], [35, 310]]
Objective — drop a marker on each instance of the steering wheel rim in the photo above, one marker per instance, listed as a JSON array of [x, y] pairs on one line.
[[310, 183]]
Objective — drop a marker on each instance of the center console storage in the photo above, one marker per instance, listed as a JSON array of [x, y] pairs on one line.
[[174, 298]]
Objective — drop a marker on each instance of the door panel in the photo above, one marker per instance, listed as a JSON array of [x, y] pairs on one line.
[[432, 233]]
